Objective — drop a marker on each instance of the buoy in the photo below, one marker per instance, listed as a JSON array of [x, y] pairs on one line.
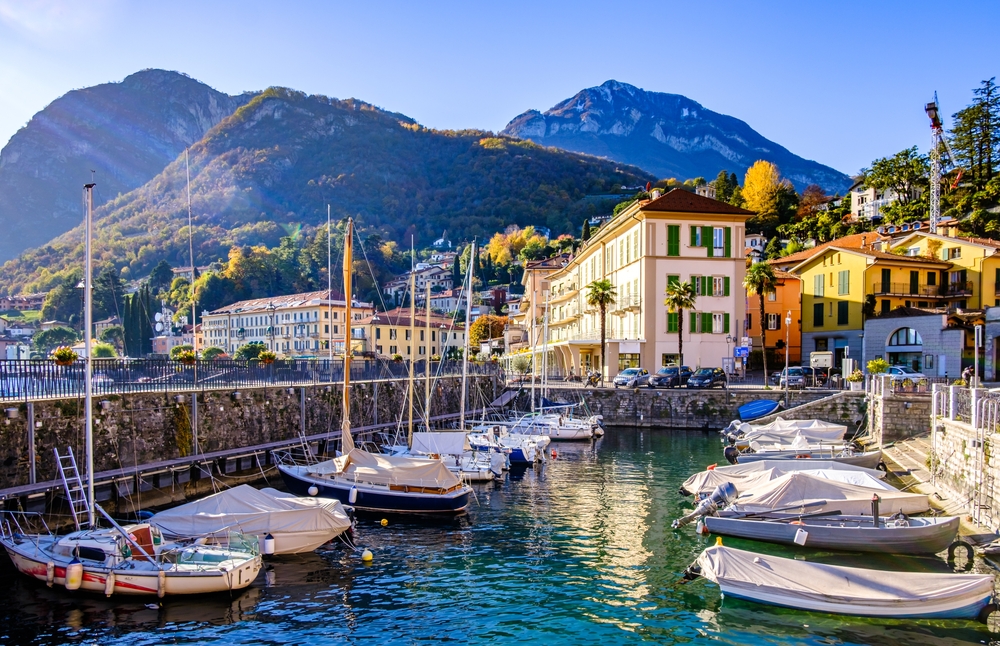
[[50, 573], [313, 490], [385, 523], [352, 497], [701, 528], [109, 584], [367, 556], [74, 574], [718, 541], [554, 454], [268, 546]]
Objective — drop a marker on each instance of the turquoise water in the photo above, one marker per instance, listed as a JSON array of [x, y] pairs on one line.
[[579, 551]]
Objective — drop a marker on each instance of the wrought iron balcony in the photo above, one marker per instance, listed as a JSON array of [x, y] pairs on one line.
[[947, 290]]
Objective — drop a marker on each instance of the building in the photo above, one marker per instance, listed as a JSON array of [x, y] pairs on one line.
[[438, 278], [297, 325], [388, 334], [101, 326], [678, 236], [972, 281], [867, 203], [22, 302], [777, 305], [838, 282], [755, 246], [535, 282], [935, 342], [449, 300]]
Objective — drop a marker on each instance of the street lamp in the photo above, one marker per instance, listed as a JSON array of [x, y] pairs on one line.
[[788, 325], [271, 308], [728, 362]]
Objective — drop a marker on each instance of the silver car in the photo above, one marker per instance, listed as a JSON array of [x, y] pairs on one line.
[[632, 378]]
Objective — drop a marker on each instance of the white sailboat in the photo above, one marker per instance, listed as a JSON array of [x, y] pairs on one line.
[[131, 559]]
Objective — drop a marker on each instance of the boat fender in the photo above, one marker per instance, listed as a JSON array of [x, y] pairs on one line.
[[881, 466], [367, 556], [732, 455], [268, 546], [50, 573], [692, 572], [74, 574], [161, 583], [109, 584], [969, 554], [352, 496], [313, 490], [984, 614]]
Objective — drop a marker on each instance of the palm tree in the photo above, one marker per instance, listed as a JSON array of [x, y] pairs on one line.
[[760, 280], [601, 294], [680, 297]]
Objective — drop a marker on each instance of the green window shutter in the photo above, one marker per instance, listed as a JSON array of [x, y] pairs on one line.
[[729, 244], [706, 322], [706, 285], [726, 285], [842, 313], [696, 284], [672, 321], [706, 240], [673, 280], [725, 322], [694, 322], [817, 314], [673, 240], [694, 236]]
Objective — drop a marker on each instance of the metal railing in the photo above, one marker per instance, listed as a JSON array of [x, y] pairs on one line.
[[22, 380], [922, 289]]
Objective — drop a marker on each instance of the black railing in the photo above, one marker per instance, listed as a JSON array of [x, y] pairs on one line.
[[963, 288], [35, 379]]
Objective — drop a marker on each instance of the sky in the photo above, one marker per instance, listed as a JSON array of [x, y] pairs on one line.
[[842, 83]]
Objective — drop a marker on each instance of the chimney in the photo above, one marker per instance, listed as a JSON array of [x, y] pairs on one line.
[[863, 238], [655, 194]]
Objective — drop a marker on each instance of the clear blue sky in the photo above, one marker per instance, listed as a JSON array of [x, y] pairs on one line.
[[841, 83]]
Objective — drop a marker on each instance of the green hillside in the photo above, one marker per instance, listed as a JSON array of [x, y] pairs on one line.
[[275, 164]]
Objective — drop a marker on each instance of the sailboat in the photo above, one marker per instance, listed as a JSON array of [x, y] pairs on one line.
[[373, 482], [129, 559]]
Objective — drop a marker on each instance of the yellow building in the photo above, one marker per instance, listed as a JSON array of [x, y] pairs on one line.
[[973, 280], [679, 236], [297, 325], [836, 283], [388, 334]]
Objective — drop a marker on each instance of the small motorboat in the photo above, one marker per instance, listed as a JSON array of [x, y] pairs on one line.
[[895, 535], [758, 408], [816, 587], [751, 473], [843, 453]]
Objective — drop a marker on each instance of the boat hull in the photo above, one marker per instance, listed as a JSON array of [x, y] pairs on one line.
[[869, 460], [923, 536], [372, 499], [963, 609]]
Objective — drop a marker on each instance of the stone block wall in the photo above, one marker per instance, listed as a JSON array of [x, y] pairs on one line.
[[899, 416]]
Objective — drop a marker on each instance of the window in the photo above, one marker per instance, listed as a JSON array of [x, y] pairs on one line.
[[932, 277], [421, 335], [392, 334], [407, 337], [719, 241], [627, 360], [695, 236], [773, 321], [718, 324], [378, 333], [844, 282], [673, 240], [326, 329], [635, 244], [818, 285], [336, 329], [842, 312], [610, 257], [886, 306], [817, 314], [673, 280], [952, 252], [772, 296], [905, 336], [672, 321], [621, 252]]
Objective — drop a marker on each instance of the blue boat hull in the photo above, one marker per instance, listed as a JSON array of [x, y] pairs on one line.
[[758, 408], [387, 502], [517, 457], [970, 611]]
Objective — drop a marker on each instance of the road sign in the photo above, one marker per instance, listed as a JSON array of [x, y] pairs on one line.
[[741, 351], [746, 341]]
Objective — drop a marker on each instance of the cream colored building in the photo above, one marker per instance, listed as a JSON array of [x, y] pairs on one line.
[[678, 236], [388, 334], [297, 326]]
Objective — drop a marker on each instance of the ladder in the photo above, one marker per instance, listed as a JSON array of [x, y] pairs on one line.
[[75, 494]]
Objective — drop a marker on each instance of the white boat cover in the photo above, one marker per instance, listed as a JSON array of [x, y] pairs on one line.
[[388, 470], [812, 429], [833, 588], [797, 489], [742, 475], [253, 512], [447, 443]]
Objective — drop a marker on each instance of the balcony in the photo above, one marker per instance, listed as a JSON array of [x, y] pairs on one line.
[[627, 303], [949, 290]]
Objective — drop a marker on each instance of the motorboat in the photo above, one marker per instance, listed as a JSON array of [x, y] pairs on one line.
[[781, 431], [817, 587], [800, 449], [295, 524], [758, 408], [753, 473]]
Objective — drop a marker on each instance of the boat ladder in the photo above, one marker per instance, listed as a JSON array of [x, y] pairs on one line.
[[75, 494]]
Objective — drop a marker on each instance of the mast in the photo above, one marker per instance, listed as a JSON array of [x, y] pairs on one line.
[[531, 341], [465, 353], [545, 346], [346, 441], [329, 287], [194, 308], [427, 364], [88, 308], [413, 344]]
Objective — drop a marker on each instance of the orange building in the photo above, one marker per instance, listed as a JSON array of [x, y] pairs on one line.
[[776, 307]]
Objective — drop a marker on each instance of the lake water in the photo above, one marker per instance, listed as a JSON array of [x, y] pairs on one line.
[[579, 551]]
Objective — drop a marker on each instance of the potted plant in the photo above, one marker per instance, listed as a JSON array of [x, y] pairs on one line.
[[921, 385], [435, 357], [187, 357], [397, 358], [267, 357], [64, 356], [907, 385], [856, 379]]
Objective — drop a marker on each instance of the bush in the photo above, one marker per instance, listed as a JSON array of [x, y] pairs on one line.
[[104, 351], [397, 357], [186, 356], [251, 350], [64, 355], [175, 352], [213, 352], [856, 377], [266, 357], [878, 366]]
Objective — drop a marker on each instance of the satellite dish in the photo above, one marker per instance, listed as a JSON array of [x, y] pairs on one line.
[[159, 315], [159, 327]]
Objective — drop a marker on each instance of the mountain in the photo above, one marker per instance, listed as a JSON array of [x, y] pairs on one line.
[[274, 164], [127, 132], [666, 134]]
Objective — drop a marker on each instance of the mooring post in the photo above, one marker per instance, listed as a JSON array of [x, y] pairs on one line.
[[302, 410], [194, 421], [31, 443]]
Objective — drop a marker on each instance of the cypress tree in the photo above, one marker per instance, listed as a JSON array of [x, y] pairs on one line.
[[586, 229]]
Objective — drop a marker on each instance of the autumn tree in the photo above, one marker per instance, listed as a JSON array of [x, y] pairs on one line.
[[485, 328], [766, 194]]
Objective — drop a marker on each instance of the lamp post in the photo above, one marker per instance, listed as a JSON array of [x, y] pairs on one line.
[[728, 361], [788, 325], [271, 308]]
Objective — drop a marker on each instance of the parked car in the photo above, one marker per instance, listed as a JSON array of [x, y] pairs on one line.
[[795, 377], [632, 378], [899, 373], [776, 377], [670, 377], [707, 378]]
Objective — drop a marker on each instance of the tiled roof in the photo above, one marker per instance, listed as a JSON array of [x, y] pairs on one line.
[[401, 317], [681, 201], [281, 302], [854, 241]]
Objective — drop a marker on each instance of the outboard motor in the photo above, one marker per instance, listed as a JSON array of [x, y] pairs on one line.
[[732, 455], [723, 495], [733, 426]]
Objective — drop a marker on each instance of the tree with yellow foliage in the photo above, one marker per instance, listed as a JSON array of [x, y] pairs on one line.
[[765, 193]]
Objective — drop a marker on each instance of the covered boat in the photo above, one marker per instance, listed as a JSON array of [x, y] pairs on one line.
[[753, 473], [757, 408], [897, 535], [791, 583], [844, 454], [801, 491], [296, 524], [783, 431]]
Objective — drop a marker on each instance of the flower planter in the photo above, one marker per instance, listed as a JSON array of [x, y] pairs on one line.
[[856, 385]]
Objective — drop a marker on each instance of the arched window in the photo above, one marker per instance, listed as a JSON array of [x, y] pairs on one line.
[[905, 336]]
